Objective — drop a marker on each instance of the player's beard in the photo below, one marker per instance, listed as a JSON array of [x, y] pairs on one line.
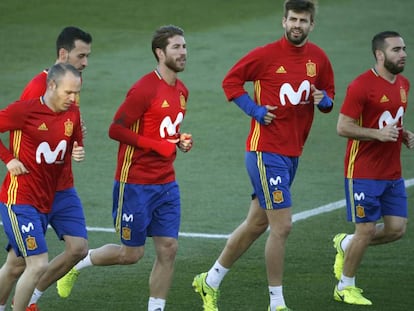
[[298, 41], [173, 64], [393, 67]]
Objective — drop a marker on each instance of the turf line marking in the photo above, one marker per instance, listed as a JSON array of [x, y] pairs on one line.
[[295, 217]]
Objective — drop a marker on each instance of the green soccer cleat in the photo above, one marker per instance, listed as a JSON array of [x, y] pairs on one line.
[[351, 295], [340, 255], [65, 284], [280, 309], [207, 293]]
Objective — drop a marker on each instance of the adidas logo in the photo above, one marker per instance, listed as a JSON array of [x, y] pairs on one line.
[[165, 104], [281, 69], [384, 99], [43, 127]]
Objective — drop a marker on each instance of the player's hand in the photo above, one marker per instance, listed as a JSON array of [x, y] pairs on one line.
[[78, 152], [389, 133], [317, 95], [321, 98], [15, 168], [269, 116], [166, 148], [408, 139], [186, 142]]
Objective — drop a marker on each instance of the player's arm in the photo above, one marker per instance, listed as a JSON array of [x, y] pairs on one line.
[[349, 127], [247, 69], [127, 118], [11, 118], [321, 99]]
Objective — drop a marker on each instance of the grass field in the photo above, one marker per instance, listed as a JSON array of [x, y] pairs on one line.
[[214, 185]]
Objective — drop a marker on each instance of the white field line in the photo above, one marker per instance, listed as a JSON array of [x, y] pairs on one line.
[[296, 217]]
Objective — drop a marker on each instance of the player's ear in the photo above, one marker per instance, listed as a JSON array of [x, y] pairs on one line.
[[160, 53], [51, 85], [63, 55], [379, 55]]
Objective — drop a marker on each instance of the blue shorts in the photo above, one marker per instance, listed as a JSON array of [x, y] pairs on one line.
[[146, 210], [369, 200], [67, 217], [25, 228], [271, 176]]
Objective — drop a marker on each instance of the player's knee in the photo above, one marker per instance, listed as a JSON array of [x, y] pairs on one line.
[[395, 234], [36, 269], [78, 250], [131, 257], [14, 272], [170, 251], [260, 228], [284, 229]]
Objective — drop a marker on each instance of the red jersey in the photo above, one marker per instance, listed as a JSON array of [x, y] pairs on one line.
[[282, 75], [155, 110], [43, 142], [34, 89], [375, 102]]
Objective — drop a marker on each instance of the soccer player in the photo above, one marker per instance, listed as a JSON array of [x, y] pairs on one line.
[[73, 46], [291, 77], [42, 133], [371, 117], [146, 199]]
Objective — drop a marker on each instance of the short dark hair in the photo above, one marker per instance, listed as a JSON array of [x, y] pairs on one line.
[[161, 36], [300, 6], [68, 36], [57, 71], [378, 41]]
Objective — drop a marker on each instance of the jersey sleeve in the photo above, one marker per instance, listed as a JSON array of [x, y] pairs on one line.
[[246, 69], [134, 106], [353, 101], [11, 118]]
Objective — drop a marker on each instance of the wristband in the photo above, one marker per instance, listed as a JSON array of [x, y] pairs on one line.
[[250, 108], [326, 102]]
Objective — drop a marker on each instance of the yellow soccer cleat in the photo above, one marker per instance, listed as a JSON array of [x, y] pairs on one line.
[[65, 284], [340, 255], [281, 309], [351, 295], [207, 293]]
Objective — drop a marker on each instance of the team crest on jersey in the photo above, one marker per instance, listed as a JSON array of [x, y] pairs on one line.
[[126, 233], [310, 69], [183, 103], [403, 96], [68, 128], [278, 196], [360, 211], [31, 243]]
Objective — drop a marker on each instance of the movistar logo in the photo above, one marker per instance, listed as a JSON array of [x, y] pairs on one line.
[[387, 118], [295, 97], [27, 228], [169, 127], [128, 218], [359, 196], [51, 156], [275, 181]]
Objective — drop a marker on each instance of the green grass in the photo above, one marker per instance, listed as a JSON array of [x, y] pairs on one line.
[[214, 185]]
